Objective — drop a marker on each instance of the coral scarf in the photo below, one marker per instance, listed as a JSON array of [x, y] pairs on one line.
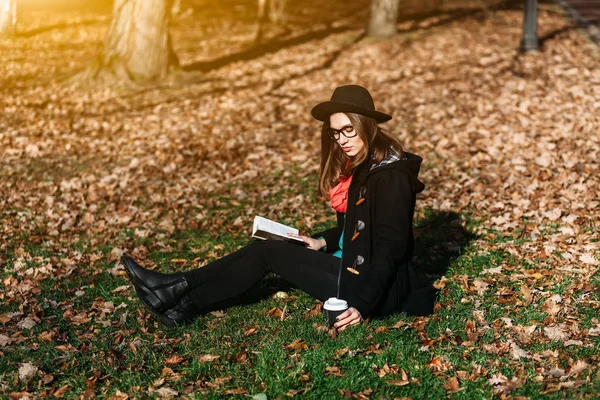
[[339, 195]]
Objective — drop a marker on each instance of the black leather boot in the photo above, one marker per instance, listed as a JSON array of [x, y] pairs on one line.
[[158, 292], [184, 311]]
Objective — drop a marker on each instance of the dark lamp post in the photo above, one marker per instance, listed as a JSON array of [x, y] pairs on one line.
[[529, 40]]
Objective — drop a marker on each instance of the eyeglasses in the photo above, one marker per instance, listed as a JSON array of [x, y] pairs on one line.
[[348, 131]]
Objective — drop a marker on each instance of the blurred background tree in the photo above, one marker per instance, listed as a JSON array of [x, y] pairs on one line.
[[176, 7], [384, 14], [270, 11], [8, 17], [138, 46]]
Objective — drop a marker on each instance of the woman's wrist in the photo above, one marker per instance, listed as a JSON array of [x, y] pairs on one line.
[[322, 243]]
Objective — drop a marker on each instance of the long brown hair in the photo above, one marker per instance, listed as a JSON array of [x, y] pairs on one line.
[[335, 165]]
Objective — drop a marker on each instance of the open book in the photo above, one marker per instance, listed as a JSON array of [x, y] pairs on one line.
[[264, 228]]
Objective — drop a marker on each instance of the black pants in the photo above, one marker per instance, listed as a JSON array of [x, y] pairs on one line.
[[312, 271]]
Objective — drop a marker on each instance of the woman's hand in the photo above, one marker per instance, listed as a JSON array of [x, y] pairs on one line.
[[313, 244], [348, 318]]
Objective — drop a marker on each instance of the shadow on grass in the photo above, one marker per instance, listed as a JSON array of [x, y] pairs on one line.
[[264, 48], [551, 35], [266, 288], [60, 26], [439, 239]]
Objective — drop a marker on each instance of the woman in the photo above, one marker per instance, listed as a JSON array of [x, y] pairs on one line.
[[372, 184]]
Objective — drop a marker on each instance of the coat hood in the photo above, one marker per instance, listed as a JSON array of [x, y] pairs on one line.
[[411, 164]]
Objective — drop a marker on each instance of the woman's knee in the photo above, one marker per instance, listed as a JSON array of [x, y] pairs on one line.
[[269, 244], [268, 250], [262, 247]]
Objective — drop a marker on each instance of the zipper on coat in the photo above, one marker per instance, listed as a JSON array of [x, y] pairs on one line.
[[341, 256], [343, 234]]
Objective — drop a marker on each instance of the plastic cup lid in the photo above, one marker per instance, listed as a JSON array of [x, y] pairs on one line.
[[335, 304]]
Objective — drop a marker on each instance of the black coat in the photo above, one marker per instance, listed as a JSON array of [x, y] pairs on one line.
[[386, 282]]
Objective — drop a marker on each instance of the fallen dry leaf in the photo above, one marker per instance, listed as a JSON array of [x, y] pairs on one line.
[[578, 367], [26, 371], [556, 372], [297, 345], [398, 382], [517, 352], [60, 392], [218, 314], [238, 391], [240, 357], [176, 359], [315, 310], [275, 312], [120, 289], [381, 329], [20, 396], [555, 333], [222, 380], [294, 392], [439, 364], [452, 384], [551, 307], [333, 370], [165, 392], [26, 323], [208, 357], [251, 331], [480, 285], [4, 340]]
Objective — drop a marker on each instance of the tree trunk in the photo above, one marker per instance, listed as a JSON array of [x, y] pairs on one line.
[[270, 11], [384, 14], [138, 46], [8, 17], [176, 7], [277, 11]]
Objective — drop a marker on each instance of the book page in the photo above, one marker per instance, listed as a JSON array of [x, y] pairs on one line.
[[272, 229]]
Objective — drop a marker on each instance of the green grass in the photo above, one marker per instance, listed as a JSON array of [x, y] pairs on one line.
[[95, 336]]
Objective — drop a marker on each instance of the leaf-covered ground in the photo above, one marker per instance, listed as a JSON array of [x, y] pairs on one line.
[[175, 173]]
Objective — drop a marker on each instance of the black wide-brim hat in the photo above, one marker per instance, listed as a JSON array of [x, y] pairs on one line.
[[349, 98]]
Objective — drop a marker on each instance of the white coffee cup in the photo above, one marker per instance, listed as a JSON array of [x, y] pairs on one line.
[[334, 307]]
